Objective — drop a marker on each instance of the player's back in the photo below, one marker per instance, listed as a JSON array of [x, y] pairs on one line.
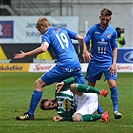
[[60, 44]]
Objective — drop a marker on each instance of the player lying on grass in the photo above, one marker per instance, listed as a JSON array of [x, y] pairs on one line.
[[76, 105]]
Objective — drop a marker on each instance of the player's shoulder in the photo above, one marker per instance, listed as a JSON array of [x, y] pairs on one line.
[[93, 27], [111, 28]]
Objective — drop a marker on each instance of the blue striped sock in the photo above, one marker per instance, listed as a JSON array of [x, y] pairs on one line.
[[99, 109], [114, 98], [36, 96]]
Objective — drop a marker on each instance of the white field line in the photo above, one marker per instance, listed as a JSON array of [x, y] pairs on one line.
[[65, 125]]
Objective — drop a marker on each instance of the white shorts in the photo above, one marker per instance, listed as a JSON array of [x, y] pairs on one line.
[[87, 103]]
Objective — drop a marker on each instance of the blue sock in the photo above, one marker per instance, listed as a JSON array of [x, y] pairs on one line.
[[99, 109], [114, 98], [36, 96]]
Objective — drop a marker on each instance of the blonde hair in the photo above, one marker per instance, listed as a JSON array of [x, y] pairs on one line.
[[42, 22]]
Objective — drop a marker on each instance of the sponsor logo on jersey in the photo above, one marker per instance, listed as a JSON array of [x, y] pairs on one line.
[[66, 105], [102, 42]]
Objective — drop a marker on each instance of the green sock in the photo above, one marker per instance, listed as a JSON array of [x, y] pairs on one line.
[[90, 117], [86, 88]]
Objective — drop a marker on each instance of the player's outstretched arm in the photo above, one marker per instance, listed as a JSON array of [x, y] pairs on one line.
[[36, 51], [21, 55]]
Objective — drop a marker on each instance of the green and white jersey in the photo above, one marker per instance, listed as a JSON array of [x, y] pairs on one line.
[[66, 101]]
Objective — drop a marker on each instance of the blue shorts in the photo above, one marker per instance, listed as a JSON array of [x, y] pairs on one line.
[[95, 73], [58, 74]]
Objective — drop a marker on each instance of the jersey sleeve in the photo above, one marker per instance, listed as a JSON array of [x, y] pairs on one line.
[[67, 118], [69, 81], [72, 34], [88, 36], [46, 38], [114, 40], [45, 43]]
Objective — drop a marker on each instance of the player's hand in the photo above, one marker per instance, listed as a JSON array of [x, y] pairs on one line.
[[87, 56], [59, 86], [112, 69], [57, 118], [21, 55]]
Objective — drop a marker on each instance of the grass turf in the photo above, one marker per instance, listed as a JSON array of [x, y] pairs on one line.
[[15, 94]]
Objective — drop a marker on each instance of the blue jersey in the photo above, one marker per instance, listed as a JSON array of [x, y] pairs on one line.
[[103, 41], [60, 44]]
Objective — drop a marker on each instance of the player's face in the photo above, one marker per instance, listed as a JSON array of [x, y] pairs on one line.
[[104, 21], [50, 104]]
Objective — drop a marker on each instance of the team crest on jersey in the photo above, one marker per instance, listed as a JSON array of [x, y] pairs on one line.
[[108, 35], [66, 105]]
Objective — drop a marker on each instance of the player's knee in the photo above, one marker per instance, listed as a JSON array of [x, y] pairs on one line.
[[72, 88], [76, 117], [112, 84], [38, 85]]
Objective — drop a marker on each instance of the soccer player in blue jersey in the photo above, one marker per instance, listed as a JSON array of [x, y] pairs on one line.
[[103, 56], [57, 40]]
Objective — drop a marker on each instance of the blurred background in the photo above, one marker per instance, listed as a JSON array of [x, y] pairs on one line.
[[87, 10], [18, 19]]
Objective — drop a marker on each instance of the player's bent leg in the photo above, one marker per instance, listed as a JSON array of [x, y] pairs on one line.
[[36, 95], [35, 98], [73, 90], [80, 88], [76, 117], [91, 117], [39, 84]]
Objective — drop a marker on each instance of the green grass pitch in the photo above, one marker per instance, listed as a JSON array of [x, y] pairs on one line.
[[15, 94]]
